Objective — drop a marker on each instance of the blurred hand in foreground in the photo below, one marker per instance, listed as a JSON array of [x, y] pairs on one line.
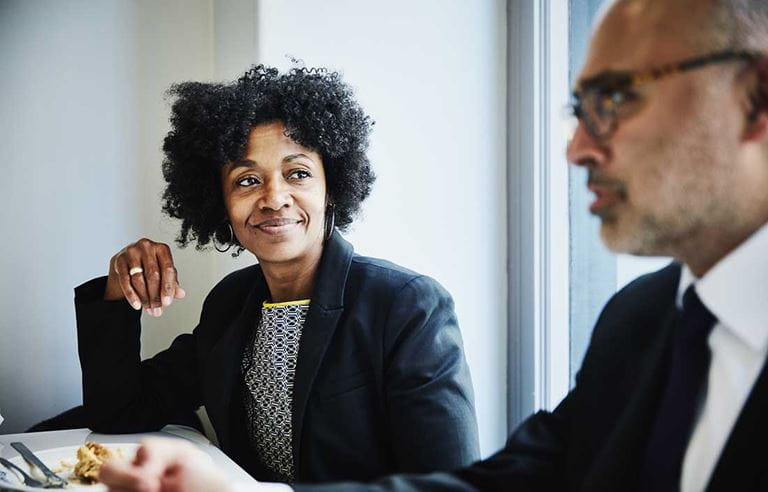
[[165, 465]]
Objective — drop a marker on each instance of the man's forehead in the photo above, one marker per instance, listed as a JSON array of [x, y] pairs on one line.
[[640, 34]]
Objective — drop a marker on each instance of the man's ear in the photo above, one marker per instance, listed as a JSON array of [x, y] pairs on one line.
[[757, 115], [757, 128]]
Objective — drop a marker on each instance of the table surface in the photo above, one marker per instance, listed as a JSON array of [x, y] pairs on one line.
[[38, 441]]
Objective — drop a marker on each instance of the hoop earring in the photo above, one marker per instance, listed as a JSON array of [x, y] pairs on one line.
[[329, 230], [228, 243]]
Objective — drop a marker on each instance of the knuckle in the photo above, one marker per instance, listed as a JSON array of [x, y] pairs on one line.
[[153, 273], [144, 242]]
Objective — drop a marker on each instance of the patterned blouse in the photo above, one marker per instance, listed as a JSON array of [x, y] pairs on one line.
[[268, 367]]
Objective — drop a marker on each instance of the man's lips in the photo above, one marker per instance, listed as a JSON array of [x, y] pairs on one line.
[[607, 194], [277, 226]]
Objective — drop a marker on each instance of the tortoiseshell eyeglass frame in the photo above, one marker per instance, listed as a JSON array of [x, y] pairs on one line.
[[597, 100]]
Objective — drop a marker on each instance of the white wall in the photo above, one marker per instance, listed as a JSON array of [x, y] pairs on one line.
[[432, 75], [81, 124], [83, 117], [68, 151]]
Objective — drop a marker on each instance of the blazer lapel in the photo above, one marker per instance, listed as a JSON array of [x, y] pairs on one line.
[[743, 464], [324, 311], [224, 363], [617, 465]]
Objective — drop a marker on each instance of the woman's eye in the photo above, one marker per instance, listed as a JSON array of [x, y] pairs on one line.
[[299, 174], [247, 181]]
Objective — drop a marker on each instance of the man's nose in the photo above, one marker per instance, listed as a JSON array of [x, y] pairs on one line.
[[584, 149]]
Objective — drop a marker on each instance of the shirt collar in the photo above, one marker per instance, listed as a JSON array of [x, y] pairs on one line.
[[735, 290]]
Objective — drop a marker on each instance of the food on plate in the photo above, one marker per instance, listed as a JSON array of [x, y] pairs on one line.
[[90, 457], [63, 467]]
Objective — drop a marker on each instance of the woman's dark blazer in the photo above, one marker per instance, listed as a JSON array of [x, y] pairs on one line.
[[381, 382]]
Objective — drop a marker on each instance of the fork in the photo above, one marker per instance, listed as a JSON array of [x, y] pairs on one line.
[[29, 481], [4, 479]]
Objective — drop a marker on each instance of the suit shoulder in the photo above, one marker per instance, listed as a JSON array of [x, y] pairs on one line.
[[380, 270], [628, 326], [640, 305], [375, 272], [649, 290]]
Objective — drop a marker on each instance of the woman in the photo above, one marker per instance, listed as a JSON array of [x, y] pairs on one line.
[[315, 364]]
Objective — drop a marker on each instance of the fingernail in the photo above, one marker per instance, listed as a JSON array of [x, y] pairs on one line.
[[167, 301], [181, 292], [157, 311], [136, 305], [149, 311]]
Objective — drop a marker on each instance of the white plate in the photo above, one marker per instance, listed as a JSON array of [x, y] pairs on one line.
[[55, 457]]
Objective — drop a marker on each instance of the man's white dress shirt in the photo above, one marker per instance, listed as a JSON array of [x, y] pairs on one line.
[[735, 290]]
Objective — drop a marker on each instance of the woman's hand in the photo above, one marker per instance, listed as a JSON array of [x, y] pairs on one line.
[[143, 273]]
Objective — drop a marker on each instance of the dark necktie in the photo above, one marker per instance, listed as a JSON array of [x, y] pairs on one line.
[[689, 366]]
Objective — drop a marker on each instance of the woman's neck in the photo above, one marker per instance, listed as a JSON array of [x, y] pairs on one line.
[[291, 281]]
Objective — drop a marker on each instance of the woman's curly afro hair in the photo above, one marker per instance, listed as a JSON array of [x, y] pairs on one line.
[[210, 124]]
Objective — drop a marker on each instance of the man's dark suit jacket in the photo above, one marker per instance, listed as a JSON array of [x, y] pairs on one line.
[[595, 439], [381, 382]]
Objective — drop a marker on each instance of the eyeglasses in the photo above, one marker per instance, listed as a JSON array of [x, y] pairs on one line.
[[599, 100]]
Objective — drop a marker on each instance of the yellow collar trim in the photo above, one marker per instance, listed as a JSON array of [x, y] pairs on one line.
[[300, 302]]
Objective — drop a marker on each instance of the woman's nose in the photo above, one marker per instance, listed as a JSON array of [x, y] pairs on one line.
[[276, 195]]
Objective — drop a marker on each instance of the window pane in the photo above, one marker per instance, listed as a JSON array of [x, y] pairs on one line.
[[592, 267]]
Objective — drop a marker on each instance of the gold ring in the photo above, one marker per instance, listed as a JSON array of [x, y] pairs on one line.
[[133, 271]]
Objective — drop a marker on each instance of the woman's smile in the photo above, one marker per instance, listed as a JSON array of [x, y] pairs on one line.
[[278, 226]]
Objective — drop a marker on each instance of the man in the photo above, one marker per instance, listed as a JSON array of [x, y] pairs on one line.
[[673, 392]]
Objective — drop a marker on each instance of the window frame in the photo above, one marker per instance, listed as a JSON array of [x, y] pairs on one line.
[[538, 365]]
